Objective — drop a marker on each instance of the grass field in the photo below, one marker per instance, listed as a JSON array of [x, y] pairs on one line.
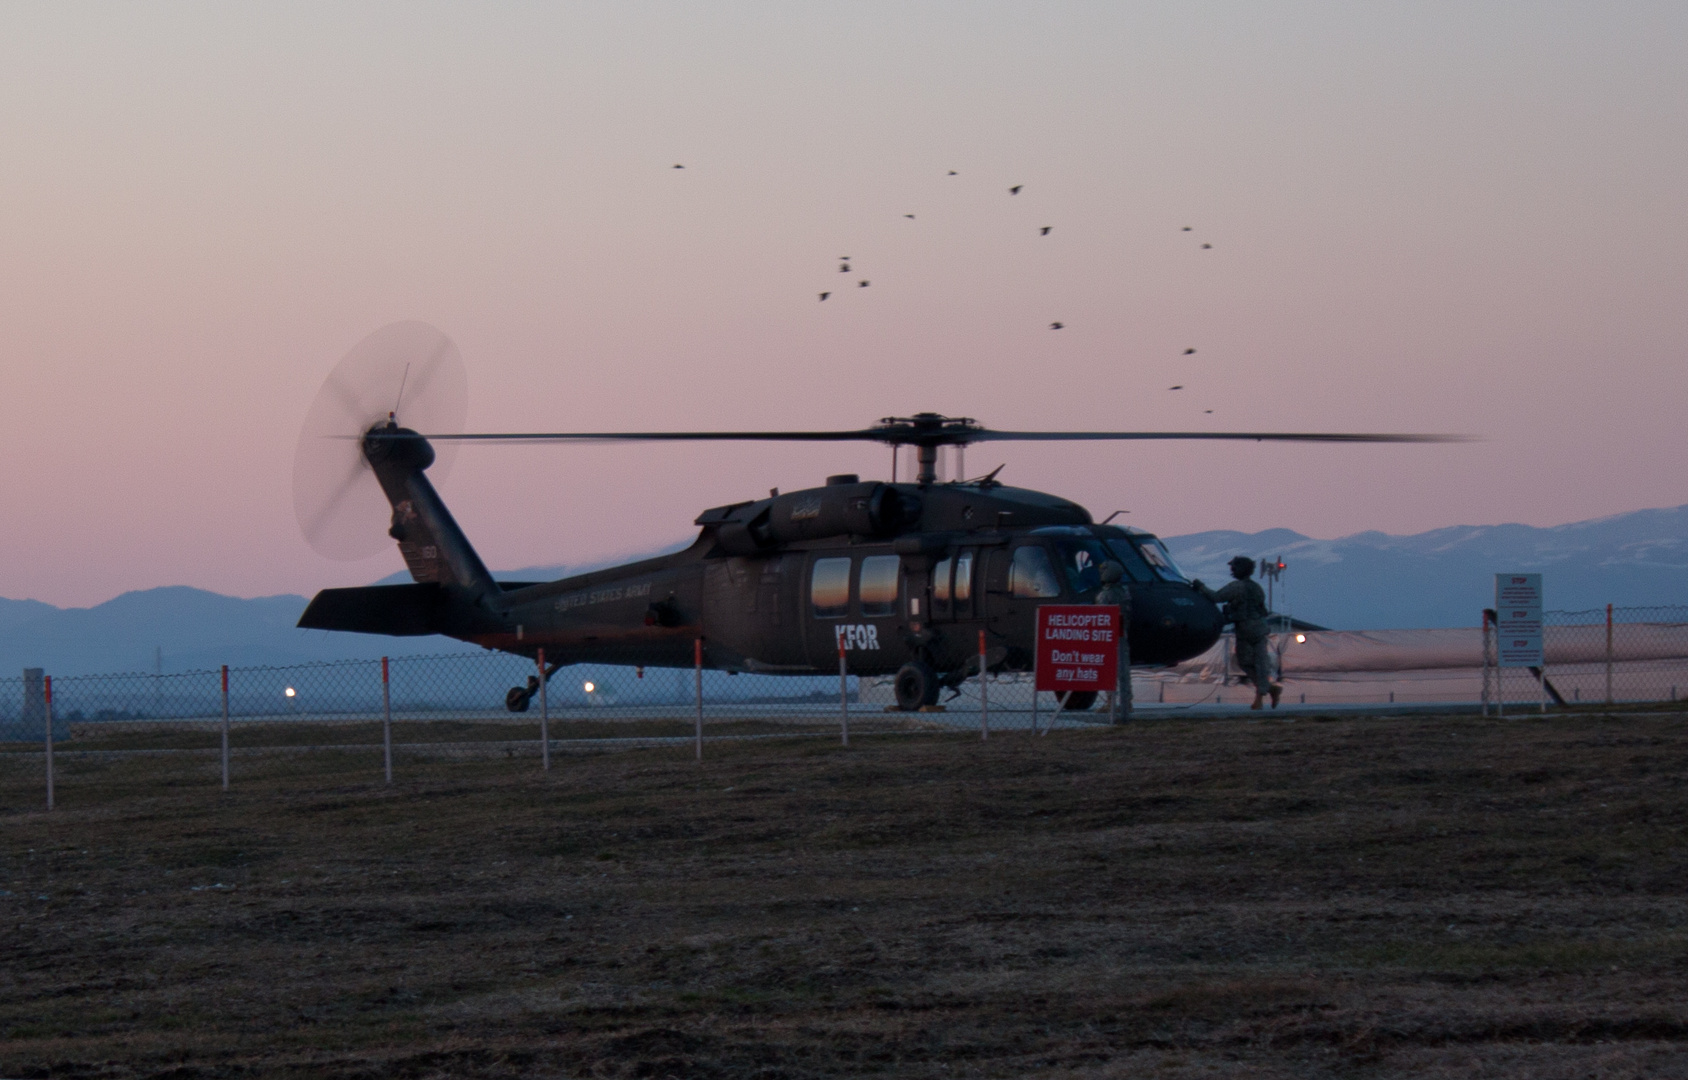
[[1419, 896]]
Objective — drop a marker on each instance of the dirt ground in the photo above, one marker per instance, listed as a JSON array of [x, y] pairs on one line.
[[1423, 896]]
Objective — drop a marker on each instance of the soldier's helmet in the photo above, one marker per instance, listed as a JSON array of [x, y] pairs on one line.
[[1242, 566], [1110, 572]]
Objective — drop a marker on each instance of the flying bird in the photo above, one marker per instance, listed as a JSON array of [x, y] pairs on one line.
[[843, 258], [1015, 190], [1189, 352], [861, 284], [1209, 412], [824, 295], [679, 166], [952, 172], [1056, 325], [1175, 388], [1186, 228], [1206, 246], [910, 216], [1044, 231], [843, 268]]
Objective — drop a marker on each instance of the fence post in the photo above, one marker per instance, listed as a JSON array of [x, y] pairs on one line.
[[544, 716], [225, 727], [984, 694], [843, 694], [386, 720], [47, 707], [1485, 664], [697, 667], [1608, 654]]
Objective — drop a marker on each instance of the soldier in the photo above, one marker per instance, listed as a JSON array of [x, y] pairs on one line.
[[1245, 606], [1113, 592]]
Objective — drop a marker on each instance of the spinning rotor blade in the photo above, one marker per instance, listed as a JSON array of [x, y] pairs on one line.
[[409, 369], [961, 437]]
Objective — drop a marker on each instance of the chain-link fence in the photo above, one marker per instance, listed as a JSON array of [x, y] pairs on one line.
[[360, 721], [1619, 655]]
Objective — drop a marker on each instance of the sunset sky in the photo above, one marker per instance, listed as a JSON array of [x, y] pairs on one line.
[[1460, 217]]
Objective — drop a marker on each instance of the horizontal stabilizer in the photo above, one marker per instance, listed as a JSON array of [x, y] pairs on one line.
[[398, 610]]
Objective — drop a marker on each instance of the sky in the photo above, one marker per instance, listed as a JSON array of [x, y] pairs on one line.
[[1439, 217]]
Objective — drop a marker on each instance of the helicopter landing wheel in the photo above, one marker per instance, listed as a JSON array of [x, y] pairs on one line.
[[916, 685], [1076, 700], [519, 696]]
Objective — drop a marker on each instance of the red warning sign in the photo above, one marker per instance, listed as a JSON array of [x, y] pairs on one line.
[[1077, 647]]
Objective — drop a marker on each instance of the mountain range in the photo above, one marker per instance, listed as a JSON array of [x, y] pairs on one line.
[[1370, 580]]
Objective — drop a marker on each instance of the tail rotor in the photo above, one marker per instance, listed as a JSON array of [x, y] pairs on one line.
[[408, 372]]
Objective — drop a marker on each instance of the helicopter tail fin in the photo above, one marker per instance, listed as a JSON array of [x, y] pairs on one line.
[[434, 547]]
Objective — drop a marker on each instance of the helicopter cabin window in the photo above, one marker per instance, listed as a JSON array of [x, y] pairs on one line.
[[1126, 555], [1030, 576], [1160, 559], [879, 584], [829, 588], [941, 587], [963, 577]]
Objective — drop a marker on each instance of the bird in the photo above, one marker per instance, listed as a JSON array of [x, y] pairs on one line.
[[824, 295], [1208, 412], [679, 166], [843, 258], [1206, 246], [952, 172], [1056, 325], [909, 216], [1175, 388], [843, 268], [861, 284], [1189, 352], [1186, 228], [1044, 231], [1015, 190]]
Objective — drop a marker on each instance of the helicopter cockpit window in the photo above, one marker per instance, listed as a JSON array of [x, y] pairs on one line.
[[829, 588], [1160, 559], [1128, 557], [1030, 575], [1082, 561], [879, 584]]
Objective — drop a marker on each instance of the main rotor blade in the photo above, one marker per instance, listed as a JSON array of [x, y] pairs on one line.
[[974, 435], [663, 436], [987, 435]]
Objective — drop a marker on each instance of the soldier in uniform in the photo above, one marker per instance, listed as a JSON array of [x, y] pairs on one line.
[[1245, 606], [1114, 591]]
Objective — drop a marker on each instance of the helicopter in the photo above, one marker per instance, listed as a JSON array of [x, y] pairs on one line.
[[902, 578]]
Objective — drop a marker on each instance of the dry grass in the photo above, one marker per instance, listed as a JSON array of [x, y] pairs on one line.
[[1416, 896]]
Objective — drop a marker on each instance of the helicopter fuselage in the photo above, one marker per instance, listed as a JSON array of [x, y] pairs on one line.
[[890, 573]]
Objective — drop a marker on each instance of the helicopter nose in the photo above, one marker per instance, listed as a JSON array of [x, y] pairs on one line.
[[1172, 623]]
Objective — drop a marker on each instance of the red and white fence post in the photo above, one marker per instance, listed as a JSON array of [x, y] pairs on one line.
[[386, 720], [843, 693], [47, 708], [1608, 654], [697, 666], [225, 727], [544, 716]]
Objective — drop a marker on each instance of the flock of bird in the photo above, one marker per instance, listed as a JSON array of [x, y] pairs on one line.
[[844, 262]]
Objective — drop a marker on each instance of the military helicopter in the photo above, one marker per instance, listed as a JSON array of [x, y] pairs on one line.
[[901, 576]]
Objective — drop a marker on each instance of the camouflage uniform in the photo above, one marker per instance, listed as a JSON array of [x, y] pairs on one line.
[[1245, 606], [1114, 591]]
